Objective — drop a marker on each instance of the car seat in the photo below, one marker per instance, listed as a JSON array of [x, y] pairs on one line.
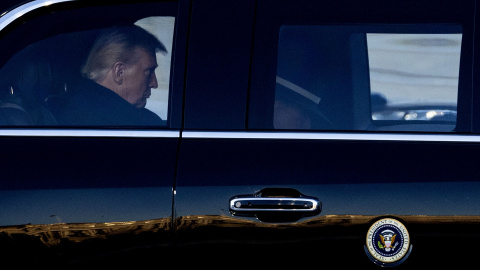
[[26, 85]]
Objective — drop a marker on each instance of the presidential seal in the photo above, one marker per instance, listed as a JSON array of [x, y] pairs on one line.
[[388, 242]]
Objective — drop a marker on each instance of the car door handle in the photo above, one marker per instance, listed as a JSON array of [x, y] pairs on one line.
[[275, 205], [280, 204]]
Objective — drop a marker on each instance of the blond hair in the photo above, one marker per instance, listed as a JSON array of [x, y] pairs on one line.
[[117, 44]]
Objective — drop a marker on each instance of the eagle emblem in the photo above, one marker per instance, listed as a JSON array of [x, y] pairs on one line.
[[387, 240]]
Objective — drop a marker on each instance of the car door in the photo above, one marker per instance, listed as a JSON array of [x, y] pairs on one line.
[[355, 146], [82, 196]]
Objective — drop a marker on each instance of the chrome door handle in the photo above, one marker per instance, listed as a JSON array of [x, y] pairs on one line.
[[275, 205], [286, 204]]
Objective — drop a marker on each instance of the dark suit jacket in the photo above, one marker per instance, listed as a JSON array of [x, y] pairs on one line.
[[90, 104]]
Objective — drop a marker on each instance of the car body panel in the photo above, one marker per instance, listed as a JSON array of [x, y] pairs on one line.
[[92, 194]]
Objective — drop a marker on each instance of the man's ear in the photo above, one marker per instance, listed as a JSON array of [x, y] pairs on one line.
[[118, 72]]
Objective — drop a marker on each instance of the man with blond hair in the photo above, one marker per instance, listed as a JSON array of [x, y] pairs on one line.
[[119, 75]]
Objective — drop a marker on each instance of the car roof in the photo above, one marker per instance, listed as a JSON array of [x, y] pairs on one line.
[[6, 5]]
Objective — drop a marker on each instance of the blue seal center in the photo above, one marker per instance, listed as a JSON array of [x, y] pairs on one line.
[[387, 240]]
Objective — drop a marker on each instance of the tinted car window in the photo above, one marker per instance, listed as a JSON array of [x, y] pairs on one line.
[[380, 77], [39, 83]]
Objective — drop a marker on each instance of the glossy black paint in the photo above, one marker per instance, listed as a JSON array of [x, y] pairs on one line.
[[219, 50], [9, 4], [76, 163]]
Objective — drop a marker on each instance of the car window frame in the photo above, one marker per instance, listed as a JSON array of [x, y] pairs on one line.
[[271, 15], [17, 16]]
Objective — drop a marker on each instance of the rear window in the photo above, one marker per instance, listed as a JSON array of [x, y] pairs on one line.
[[367, 77]]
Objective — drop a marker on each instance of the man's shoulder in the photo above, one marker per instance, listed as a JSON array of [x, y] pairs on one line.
[[90, 90], [151, 116], [89, 103]]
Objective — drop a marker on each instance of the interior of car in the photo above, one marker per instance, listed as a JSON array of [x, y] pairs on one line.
[[35, 78]]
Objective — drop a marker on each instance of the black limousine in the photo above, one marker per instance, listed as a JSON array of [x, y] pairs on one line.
[[244, 133]]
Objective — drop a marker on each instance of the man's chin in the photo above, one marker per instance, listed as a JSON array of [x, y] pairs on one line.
[[141, 104]]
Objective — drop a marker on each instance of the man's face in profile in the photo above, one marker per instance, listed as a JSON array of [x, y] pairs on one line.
[[139, 78]]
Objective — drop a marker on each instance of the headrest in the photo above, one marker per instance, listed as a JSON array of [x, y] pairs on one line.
[[29, 75], [26, 81]]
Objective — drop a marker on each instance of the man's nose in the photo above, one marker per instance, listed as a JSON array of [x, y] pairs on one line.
[[153, 81]]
